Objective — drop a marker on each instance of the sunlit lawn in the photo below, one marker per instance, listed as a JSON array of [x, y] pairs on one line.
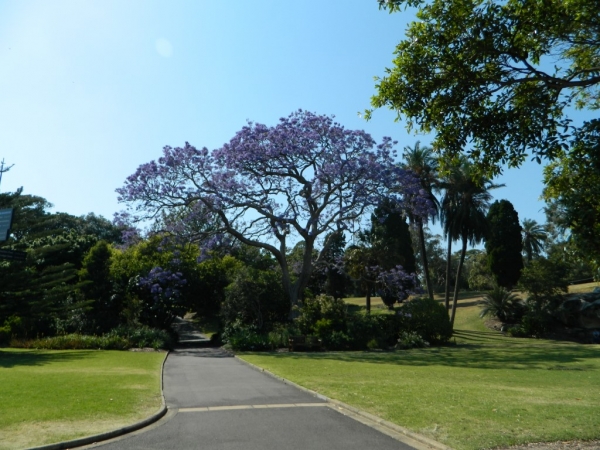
[[486, 391], [51, 396]]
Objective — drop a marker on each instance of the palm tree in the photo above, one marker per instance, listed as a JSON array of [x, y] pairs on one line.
[[463, 211], [502, 304], [534, 236], [420, 160]]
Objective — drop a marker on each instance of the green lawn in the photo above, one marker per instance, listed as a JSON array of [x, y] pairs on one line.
[[486, 391], [51, 396]]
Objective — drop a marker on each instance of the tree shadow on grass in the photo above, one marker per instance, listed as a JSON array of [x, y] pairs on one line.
[[16, 358], [478, 350]]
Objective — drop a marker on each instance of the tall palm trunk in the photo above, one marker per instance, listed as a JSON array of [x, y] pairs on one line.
[[456, 283], [424, 261], [448, 270]]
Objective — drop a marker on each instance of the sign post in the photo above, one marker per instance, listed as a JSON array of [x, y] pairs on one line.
[[6, 216]]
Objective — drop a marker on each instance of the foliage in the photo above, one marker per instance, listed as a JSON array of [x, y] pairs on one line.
[[254, 298], [484, 74], [420, 160], [534, 237], [544, 281], [503, 243], [479, 277], [384, 261], [213, 275], [463, 208], [321, 307], [44, 291], [389, 238], [298, 180], [410, 339], [395, 285], [98, 286], [242, 336], [502, 304], [150, 281], [573, 184], [428, 318], [121, 338]]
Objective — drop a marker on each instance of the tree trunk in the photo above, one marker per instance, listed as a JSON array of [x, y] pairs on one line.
[[448, 270], [368, 298], [424, 261], [456, 283]]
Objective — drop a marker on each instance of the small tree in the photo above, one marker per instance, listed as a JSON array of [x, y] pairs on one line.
[[503, 243]]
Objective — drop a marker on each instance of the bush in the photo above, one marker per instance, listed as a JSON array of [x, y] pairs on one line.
[[142, 336], [410, 339], [322, 307], [374, 331], [240, 336], [428, 318], [255, 297], [5, 335], [502, 304], [74, 342], [121, 338], [544, 281]]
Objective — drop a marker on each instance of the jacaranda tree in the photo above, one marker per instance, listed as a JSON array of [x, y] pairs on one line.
[[271, 187]]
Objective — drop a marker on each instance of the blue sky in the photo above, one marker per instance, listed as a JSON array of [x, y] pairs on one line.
[[91, 89]]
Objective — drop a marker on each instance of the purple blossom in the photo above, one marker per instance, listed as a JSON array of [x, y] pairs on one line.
[[272, 186]]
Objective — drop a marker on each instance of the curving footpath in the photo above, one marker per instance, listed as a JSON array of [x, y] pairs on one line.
[[215, 401]]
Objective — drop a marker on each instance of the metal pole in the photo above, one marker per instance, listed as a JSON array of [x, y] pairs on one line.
[[2, 169]]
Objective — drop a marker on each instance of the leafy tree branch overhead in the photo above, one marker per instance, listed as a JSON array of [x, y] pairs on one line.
[[495, 78], [272, 186]]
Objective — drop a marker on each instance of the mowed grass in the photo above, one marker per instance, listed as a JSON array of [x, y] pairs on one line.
[[52, 396], [486, 391]]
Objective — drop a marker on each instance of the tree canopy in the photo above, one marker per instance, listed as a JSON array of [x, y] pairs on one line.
[[494, 78], [272, 186], [573, 186], [503, 243]]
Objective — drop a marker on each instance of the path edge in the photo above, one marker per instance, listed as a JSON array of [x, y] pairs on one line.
[[119, 431], [373, 418]]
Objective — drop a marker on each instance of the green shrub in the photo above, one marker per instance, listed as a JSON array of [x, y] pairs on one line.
[[318, 308], [502, 304], [143, 336], [5, 335], [279, 336], [410, 339], [382, 329], [255, 297], [428, 318], [121, 338], [240, 336], [74, 342]]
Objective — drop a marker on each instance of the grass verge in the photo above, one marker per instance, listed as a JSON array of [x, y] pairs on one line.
[[52, 396], [486, 391]]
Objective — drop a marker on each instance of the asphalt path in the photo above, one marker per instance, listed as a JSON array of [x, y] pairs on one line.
[[217, 402]]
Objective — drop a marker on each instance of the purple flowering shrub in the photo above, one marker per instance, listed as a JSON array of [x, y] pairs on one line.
[[270, 187], [162, 297], [395, 285]]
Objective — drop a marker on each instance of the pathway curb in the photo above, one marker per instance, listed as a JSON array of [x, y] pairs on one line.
[[378, 420], [118, 432]]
